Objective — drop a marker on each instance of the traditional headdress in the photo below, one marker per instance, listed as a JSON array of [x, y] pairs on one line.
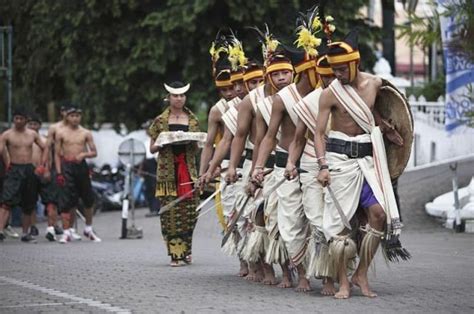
[[253, 70], [345, 52], [274, 55], [220, 64], [177, 88], [309, 25], [323, 68], [237, 58]]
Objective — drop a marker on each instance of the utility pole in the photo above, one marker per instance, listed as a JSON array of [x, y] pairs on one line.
[[6, 68], [388, 29]]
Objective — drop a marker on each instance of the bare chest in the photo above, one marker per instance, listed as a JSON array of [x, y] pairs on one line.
[[73, 138], [18, 141]]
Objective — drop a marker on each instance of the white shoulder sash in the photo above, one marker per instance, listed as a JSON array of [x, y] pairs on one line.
[[234, 102], [257, 95], [265, 108], [222, 105], [307, 109], [230, 119], [290, 96]]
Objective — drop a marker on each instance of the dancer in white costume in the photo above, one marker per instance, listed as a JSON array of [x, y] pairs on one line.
[[355, 146], [292, 222], [307, 110]]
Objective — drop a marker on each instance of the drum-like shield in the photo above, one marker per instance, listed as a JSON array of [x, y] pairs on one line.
[[394, 107]]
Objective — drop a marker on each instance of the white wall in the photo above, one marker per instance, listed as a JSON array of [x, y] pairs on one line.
[[447, 146]]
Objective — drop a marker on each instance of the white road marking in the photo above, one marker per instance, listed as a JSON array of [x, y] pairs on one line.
[[57, 293], [36, 305]]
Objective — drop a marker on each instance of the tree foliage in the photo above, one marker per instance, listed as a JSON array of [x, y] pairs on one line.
[[112, 57]]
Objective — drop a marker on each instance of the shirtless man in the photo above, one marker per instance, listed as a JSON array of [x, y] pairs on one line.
[[4, 161], [252, 79], [350, 101], [224, 145], [51, 138], [73, 145], [292, 221], [215, 125], [307, 111], [215, 132], [46, 190], [20, 181]]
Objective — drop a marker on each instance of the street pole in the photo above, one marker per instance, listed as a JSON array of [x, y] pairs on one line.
[[7, 67], [457, 205], [434, 63], [9, 74], [412, 74], [126, 201]]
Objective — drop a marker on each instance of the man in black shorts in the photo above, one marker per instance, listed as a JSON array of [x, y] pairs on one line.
[[47, 188], [20, 183], [72, 146]]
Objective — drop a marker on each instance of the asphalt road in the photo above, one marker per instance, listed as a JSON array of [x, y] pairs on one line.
[[133, 275]]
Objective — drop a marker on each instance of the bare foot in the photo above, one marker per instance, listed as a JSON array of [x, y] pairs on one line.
[[269, 275], [269, 280], [363, 284], [251, 275], [258, 276], [328, 287], [343, 293], [244, 270], [303, 285], [285, 283]]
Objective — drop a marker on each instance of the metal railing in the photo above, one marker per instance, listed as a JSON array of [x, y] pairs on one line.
[[430, 112]]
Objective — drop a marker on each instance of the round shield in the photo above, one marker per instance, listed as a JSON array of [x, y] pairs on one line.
[[393, 107], [132, 151]]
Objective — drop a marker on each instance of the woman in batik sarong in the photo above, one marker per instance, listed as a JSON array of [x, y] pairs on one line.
[[176, 165]]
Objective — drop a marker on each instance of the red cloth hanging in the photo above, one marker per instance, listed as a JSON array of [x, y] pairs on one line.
[[182, 175]]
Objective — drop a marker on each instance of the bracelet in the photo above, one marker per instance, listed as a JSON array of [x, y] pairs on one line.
[[322, 167], [258, 167], [322, 157]]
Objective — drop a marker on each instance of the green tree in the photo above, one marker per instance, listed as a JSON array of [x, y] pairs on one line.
[[112, 57]]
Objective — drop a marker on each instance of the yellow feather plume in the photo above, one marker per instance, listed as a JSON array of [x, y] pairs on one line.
[[308, 41], [214, 52], [236, 54], [316, 25], [272, 44]]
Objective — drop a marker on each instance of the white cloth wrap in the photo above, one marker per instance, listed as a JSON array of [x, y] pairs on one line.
[[222, 105], [234, 101], [256, 95], [230, 119], [313, 194], [270, 207], [363, 116], [276, 250], [347, 184], [265, 108], [292, 222], [307, 109], [290, 97], [227, 197]]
